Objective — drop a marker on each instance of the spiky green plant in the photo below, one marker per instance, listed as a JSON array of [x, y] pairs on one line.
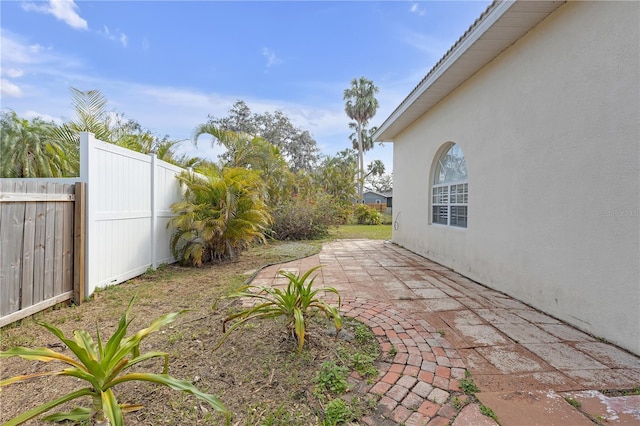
[[294, 303], [103, 366]]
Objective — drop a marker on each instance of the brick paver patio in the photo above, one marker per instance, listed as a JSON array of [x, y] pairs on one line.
[[526, 363]]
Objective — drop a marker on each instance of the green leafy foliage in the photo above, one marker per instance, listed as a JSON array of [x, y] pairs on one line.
[[222, 214], [467, 384], [338, 412], [365, 214], [103, 365], [304, 218], [295, 303], [331, 379]]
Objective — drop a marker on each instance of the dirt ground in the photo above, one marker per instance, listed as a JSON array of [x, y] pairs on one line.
[[256, 373]]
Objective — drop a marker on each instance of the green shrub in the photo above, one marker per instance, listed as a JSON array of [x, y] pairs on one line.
[[304, 218], [331, 378], [294, 303], [102, 366], [222, 214], [367, 215], [338, 412]]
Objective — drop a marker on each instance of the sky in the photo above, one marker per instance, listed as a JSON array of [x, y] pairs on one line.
[[172, 64]]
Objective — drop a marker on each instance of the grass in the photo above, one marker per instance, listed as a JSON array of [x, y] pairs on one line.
[[272, 386], [372, 232]]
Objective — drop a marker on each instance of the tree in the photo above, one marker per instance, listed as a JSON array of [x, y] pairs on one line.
[[361, 105], [91, 115], [28, 149], [297, 146], [222, 214]]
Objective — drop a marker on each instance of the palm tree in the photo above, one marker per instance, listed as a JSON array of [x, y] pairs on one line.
[[28, 150], [223, 213], [361, 105]]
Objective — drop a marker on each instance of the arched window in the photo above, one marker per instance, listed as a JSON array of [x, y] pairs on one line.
[[450, 190]]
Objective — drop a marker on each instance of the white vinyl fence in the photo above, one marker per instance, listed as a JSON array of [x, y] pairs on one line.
[[128, 206]]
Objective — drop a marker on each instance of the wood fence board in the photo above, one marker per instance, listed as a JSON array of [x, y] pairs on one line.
[[26, 289], [34, 309], [49, 247], [57, 242], [79, 233], [12, 228], [39, 248], [67, 242]]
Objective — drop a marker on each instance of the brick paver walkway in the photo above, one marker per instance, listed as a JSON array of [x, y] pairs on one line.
[[526, 364]]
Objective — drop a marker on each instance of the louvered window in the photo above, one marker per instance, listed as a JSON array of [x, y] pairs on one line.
[[450, 191]]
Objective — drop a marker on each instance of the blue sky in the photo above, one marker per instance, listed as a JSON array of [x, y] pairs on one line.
[[170, 64]]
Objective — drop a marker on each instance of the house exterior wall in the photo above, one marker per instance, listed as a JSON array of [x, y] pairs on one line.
[[372, 198], [550, 130]]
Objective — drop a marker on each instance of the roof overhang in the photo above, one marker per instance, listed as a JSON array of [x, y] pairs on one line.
[[500, 25]]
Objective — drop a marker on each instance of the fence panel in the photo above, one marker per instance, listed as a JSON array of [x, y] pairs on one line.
[[129, 197], [36, 246]]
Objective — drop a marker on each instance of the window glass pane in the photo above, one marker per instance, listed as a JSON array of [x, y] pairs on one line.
[[451, 166], [440, 214], [459, 216]]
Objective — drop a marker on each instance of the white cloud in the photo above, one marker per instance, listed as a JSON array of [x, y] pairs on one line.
[[64, 10], [33, 114], [12, 72], [7, 88], [145, 44], [415, 8], [116, 35], [272, 59]]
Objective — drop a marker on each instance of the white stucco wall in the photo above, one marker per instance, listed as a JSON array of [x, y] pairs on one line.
[[550, 130]]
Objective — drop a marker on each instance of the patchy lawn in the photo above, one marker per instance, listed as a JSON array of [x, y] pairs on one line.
[[256, 373], [372, 232]]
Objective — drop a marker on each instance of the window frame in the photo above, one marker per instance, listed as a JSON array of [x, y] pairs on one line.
[[442, 194]]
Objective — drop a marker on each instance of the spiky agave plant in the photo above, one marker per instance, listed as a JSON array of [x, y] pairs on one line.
[[102, 366], [293, 303]]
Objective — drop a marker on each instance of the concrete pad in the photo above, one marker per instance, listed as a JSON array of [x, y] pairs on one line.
[[462, 317], [500, 316], [511, 359], [526, 333], [429, 293], [610, 355], [476, 363], [564, 357], [444, 304], [482, 335], [603, 379], [471, 415], [566, 333], [418, 284], [535, 316], [538, 381], [618, 410], [537, 408]]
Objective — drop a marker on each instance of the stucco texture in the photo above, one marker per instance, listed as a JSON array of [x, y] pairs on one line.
[[550, 130]]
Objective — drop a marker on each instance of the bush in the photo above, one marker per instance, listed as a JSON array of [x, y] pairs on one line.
[[367, 215], [305, 218]]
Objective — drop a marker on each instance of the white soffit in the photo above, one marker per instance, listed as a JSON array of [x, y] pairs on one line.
[[501, 25]]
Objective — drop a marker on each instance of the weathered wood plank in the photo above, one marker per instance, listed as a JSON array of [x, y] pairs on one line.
[[67, 242], [34, 309], [11, 262], [79, 241], [39, 247], [49, 246], [13, 197], [57, 242], [28, 249]]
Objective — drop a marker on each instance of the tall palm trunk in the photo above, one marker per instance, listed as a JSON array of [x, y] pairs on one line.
[[360, 163]]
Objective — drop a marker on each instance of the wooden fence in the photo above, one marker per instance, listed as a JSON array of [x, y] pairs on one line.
[[41, 245]]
